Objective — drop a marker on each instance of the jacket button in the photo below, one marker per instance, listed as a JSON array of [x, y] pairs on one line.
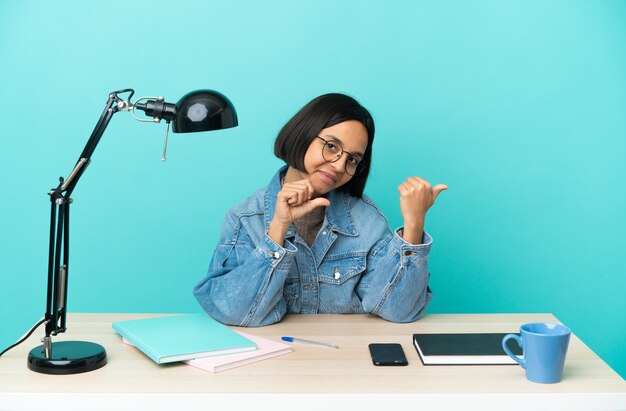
[[276, 255], [407, 252], [337, 275]]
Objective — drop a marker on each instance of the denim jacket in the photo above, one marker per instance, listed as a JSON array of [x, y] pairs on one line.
[[355, 265]]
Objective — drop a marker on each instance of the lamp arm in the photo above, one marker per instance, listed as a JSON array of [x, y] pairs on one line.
[[58, 257], [114, 104]]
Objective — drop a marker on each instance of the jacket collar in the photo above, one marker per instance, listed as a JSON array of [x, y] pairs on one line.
[[338, 214]]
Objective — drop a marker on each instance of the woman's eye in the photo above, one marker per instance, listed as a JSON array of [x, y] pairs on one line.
[[331, 146], [353, 160]]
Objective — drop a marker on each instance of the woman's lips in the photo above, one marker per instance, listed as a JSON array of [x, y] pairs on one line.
[[329, 178]]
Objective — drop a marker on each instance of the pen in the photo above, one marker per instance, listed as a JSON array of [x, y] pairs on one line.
[[302, 340]]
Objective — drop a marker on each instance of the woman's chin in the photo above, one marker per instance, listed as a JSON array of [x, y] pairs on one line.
[[321, 188]]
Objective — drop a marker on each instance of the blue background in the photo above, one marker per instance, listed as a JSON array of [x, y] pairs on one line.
[[518, 106]]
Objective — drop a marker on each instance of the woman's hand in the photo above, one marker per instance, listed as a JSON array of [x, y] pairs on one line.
[[293, 201], [416, 197]]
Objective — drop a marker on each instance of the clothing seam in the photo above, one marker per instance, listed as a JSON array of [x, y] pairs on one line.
[[389, 289], [346, 255], [367, 200], [262, 290], [381, 244]]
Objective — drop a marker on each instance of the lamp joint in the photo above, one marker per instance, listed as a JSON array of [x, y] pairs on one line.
[[123, 105]]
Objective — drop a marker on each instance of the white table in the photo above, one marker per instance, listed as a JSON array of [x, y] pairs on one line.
[[311, 377]]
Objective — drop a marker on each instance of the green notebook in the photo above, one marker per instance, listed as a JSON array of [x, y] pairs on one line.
[[182, 337]]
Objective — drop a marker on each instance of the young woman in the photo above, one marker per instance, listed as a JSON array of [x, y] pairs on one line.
[[311, 241]]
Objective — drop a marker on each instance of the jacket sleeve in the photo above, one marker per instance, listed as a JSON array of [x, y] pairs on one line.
[[395, 285], [244, 283]]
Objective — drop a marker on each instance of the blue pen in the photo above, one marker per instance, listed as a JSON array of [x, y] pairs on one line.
[[302, 340]]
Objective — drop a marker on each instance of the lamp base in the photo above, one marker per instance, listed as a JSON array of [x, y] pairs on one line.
[[68, 357]]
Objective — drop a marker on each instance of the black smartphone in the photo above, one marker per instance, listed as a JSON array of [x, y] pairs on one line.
[[387, 354]]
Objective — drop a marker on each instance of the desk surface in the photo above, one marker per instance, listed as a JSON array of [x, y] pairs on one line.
[[311, 372]]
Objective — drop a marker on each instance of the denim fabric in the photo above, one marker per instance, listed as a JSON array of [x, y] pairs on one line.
[[356, 265]]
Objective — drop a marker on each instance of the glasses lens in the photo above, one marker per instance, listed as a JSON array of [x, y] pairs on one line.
[[331, 152], [351, 167]]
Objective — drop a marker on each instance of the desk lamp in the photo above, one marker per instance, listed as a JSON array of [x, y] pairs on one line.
[[200, 110]]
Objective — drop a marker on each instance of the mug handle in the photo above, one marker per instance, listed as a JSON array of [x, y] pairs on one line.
[[519, 342]]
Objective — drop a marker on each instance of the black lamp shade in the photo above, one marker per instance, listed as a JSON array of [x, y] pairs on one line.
[[204, 110]]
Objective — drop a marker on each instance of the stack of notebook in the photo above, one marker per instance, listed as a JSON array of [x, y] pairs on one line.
[[198, 340]]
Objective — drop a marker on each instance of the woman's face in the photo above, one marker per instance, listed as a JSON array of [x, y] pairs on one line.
[[325, 176]]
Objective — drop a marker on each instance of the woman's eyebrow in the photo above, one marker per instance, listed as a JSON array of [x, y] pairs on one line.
[[337, 139]]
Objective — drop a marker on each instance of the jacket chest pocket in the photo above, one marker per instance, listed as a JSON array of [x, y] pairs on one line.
[[338, 270]]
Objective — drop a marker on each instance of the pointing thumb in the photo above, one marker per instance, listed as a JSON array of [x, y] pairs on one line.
[[318, 202], [439, 188]]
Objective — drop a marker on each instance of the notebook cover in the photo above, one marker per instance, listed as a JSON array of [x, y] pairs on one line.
[[265, 349], [465, 348], [182, 337]]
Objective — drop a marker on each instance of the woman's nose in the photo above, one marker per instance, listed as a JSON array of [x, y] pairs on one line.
[[340, 163]]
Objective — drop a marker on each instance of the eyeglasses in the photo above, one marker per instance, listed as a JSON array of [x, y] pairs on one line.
[[332, 152]]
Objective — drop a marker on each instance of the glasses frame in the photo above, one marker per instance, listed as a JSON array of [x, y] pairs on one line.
[[359, 166]]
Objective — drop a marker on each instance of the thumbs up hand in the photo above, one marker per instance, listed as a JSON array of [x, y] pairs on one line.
[[416, 197]]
